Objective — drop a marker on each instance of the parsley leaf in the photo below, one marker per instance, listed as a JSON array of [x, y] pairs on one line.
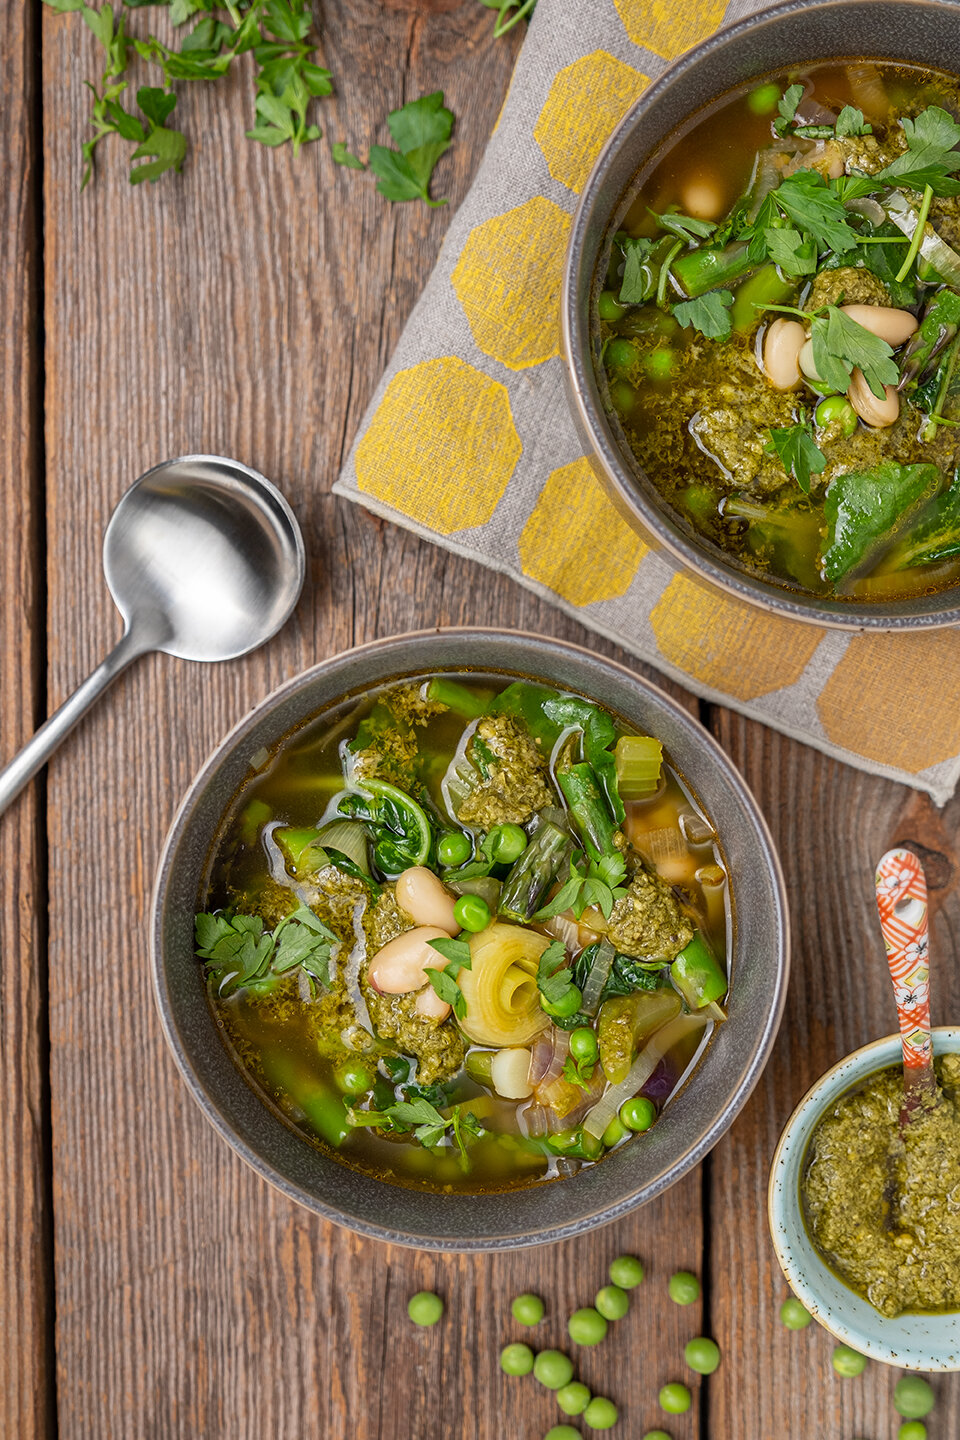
[[457, 953], [522, 10], [930, 157], [850, 121], [578, 1072], [342, 156], [796, 254], [710, 314], [429, 1126], [788, 108], [598, 885], [816, 209], [839, 344], [162, 149], [799, 453], [239, 952], [554, 975], [422, 131], [638, 281]]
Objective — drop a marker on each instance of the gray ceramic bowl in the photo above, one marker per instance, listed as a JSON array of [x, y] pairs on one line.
[[698, 1115], [919, 31]]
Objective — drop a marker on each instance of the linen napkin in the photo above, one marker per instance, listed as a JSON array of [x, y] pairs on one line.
[[468, 440]]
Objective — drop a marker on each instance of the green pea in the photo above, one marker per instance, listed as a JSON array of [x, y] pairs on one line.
[[507, 843], [912, 1430], [764, 100], [574, 1398], [566, 1007], [656, 1435], [553, 1369], [913, 1398], [353, 1077], [638, 1114], [614, 1132], [609, 307], [848, 1362], [684, 1288], [562, 1432], [624, 398], [583, 1044], [836, 409], [700, 503], [612, 1302], [702, 1355], [620, 354], [527, 1309], [516, 1359], [659, 363], [587, 1326], [626, 1271], [794, 1315], [675, 1398], [424, 1308], [601, 1414], [453, 848], [472, 912]]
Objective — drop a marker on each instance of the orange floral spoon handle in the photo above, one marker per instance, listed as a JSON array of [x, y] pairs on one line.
[[902, 905]]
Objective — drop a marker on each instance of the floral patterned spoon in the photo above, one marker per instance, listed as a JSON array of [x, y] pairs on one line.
[[902, 904]]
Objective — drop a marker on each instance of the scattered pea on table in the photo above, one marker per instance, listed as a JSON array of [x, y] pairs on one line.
[[587, 1326], [848, 1362], [574, 1398], [794, 1315], [601, 1414], [613, 1302], [912, 1430], [553, 1369], [562, 1432], [527, 1309], [702, 1355], [656, 1435], [626, 1271], [675, 1398], [425, 1308], [516, 1359], [684, 1288], [913, 1398]]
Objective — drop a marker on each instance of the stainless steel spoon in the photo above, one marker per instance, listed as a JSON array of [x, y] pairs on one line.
[[204, 559]]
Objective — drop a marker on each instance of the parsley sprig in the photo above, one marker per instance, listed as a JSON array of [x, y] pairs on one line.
[[509, 13], [422, 132], [798, 452], [840, 345], [240, 952], [444, 981], [597, 883], [428, 1125]]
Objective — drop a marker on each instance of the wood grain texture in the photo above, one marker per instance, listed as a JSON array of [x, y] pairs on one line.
[[250, 307], [831, 825], [26, 1408]]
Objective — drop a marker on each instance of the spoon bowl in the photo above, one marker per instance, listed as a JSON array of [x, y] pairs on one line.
[[205, 561]]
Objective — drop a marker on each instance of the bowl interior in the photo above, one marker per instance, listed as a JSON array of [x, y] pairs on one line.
[[922, 32], [699, 1113], [915, 1342]]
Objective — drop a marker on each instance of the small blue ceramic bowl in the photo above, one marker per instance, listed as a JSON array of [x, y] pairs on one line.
[[914, 1342]]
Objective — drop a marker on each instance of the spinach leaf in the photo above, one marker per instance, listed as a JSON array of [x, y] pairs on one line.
[[881, 260], [639, 276], [937, 534], [599, 734], [864, 508]]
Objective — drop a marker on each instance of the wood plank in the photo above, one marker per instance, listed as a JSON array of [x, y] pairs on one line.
[[26, 1400], [831, 824], [250, 307]]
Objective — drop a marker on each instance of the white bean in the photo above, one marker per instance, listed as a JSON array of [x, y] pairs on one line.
[[510, 1074], [878, 413], [398, 967], [430, 1006], [426, 899], [805, 361], [781, 346], [894, 326], [703, 198]]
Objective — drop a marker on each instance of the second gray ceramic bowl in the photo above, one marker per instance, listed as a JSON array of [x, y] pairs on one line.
[[922, 32], [697, 1116]]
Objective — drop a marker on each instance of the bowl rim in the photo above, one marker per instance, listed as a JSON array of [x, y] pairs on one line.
[[629, 498], [799, 1128], [509, 1239]]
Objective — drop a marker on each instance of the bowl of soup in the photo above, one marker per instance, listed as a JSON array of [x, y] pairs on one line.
[[761, 313], [470, 940], [864, 1216]]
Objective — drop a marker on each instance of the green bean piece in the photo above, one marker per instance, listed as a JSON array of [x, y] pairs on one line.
[[516, 1359], [684, 1288], [711, 266], [913, 1397], [702, 1355], [588, 809], [700, 979], [609, 307], [479, 1066], [612, 1302], [614, 1132], [527, 1309], [574, 1398], [626, 1271], [601, 1413], [535, 870], [795, 1315], [453, 848], [766, 287], [425, 1308], [848, 1362], [675, 1398], [587, 1326], [553, 1369]]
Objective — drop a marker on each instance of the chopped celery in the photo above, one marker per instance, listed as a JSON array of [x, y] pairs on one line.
[[638, 761], [467, 704]]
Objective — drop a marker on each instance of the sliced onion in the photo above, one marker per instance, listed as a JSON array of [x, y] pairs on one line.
[[550, 1051], [872, 209], [564, 928], [535, 1121], [640, 1071], [599, 974]]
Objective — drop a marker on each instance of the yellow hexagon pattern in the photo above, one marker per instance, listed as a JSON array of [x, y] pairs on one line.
[[669, 27], [508, 281], [441, 446], [886, 699], [576, 542], [731, 646], [586, 101]]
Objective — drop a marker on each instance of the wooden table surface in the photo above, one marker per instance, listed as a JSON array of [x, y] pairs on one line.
[[152, 1286]]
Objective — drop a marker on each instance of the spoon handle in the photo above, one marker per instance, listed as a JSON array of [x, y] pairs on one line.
[[54, 731], [902, 906]]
